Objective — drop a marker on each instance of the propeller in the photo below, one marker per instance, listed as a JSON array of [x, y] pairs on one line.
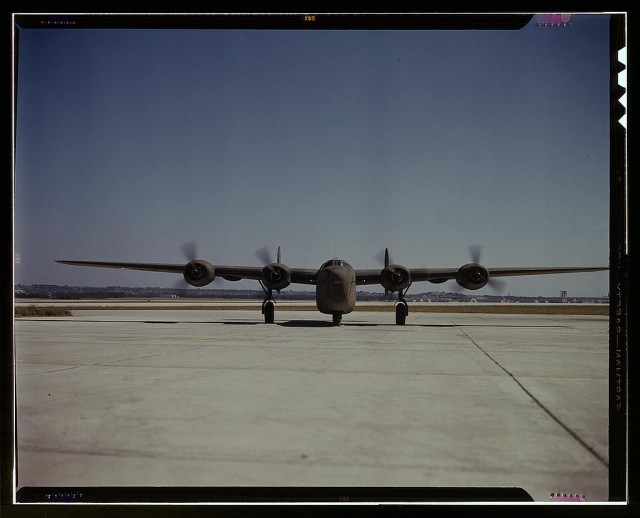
[[475, 253], [399, 275], [190, 252], [497, 285], [264, 255], [384, 258], [278, 276]]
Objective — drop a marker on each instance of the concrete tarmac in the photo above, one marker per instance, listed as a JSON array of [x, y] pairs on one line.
[[218, 398]]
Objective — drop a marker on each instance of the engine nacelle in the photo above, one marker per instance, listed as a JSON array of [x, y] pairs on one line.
[[472, 276], [276, 276], [395, 277], [199, 273]]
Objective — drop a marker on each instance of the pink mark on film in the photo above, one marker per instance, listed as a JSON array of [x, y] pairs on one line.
[[556, 18], [564, 497]]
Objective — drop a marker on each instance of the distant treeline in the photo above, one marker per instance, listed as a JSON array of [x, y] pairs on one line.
[[50, 291], [117, 292]]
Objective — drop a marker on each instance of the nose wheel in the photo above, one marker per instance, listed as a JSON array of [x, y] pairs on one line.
[[402, 310], [337, 318]]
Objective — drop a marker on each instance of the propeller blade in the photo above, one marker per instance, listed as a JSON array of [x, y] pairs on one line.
[[264, 255], [475, 251], [384, 258], [454, 287], [497, 285], [189, 250], [279, 257], [181, 284]]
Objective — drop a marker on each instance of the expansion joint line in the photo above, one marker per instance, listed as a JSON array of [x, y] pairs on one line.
[[541, 405]]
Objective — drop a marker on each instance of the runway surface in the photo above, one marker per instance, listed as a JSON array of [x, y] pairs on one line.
[[218, 398]]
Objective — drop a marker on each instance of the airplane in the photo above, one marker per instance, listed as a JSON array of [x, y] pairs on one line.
[[336, 280]]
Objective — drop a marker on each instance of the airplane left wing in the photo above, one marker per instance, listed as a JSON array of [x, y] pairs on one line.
[[230, 273], [149, 267]]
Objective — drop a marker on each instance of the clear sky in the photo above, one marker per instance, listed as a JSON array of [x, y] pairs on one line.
[[131, 143]]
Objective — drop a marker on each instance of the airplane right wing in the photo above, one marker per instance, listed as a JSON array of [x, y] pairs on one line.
[[476, 274], [445, 274]]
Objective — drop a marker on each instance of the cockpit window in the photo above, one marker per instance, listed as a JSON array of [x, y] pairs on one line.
[[336, 262]]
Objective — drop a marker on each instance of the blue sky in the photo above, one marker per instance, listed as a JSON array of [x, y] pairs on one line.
[[133, 142]]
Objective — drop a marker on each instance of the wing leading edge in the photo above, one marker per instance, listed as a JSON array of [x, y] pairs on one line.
[[149, 267], [298, 275]]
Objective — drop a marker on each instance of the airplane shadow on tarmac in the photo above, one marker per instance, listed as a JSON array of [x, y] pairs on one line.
[[322, 323], [289, 323]]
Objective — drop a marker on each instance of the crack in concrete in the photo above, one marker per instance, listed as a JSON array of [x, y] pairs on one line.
[[573, 434]]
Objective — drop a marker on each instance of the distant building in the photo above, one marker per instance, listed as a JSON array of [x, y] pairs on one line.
[[563, 296]]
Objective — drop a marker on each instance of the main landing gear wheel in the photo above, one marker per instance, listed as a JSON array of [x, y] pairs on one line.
[[268, 310], [402, 310], [337, 318], [268, 305]]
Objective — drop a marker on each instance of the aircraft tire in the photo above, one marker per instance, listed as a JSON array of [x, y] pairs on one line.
[[269, 313], [337, 318], [401, 314]]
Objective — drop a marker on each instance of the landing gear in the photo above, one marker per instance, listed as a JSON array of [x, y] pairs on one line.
[[268, 310], [402, 310], [337, 318], [268, 305]]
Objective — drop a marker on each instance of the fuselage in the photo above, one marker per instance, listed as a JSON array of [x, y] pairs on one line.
[[335, 287]]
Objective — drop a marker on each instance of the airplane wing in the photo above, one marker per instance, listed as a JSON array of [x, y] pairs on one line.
[[230, 273], [446, 274], [438, 275], [308, 276], [150, 267]]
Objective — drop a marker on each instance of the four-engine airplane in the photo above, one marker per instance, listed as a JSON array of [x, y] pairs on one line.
[[336, 280]]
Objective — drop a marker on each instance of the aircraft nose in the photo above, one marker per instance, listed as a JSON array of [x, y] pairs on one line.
[[337, 280]]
